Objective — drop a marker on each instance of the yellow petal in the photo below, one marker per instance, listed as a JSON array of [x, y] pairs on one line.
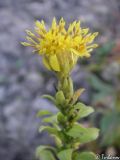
[[30, 40], [95, 34], [70, 29], [85, 31], [54, 63], [78, 24], [54, 23], [87, 54], [30, 33], [92, 46], [75, 51], [74, 23], [40, 25], [25, 44], [62, 21]]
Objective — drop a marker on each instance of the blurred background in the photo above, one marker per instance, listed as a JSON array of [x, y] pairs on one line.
[[23, 79]]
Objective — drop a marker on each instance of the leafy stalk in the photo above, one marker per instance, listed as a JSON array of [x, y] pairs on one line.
[[64, 126]]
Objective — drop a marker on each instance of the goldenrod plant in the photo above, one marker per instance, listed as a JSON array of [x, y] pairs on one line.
[[60, 48]]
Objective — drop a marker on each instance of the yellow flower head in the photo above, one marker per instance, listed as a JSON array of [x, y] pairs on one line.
[[59, 46]]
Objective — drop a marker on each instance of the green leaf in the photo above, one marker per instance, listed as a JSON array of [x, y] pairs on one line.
[[51, 98], [65, 154], [49, 129], [100, 85], [85, 156], [83, 135], [60, 98], [109, 123], [83, 110], [105, 49], [61, 118], [44, 113], [53, 131], [44, 153], [58, 142], [103, 89], [51, 119]]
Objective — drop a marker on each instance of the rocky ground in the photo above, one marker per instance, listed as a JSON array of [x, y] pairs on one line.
[[22, 77]]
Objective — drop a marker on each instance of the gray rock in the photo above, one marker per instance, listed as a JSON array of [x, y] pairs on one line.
[[2, 93]]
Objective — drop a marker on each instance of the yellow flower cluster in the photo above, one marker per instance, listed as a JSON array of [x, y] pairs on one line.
[[59, 46]]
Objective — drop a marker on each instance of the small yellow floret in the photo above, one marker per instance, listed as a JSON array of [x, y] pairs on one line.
[[61, 47]]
